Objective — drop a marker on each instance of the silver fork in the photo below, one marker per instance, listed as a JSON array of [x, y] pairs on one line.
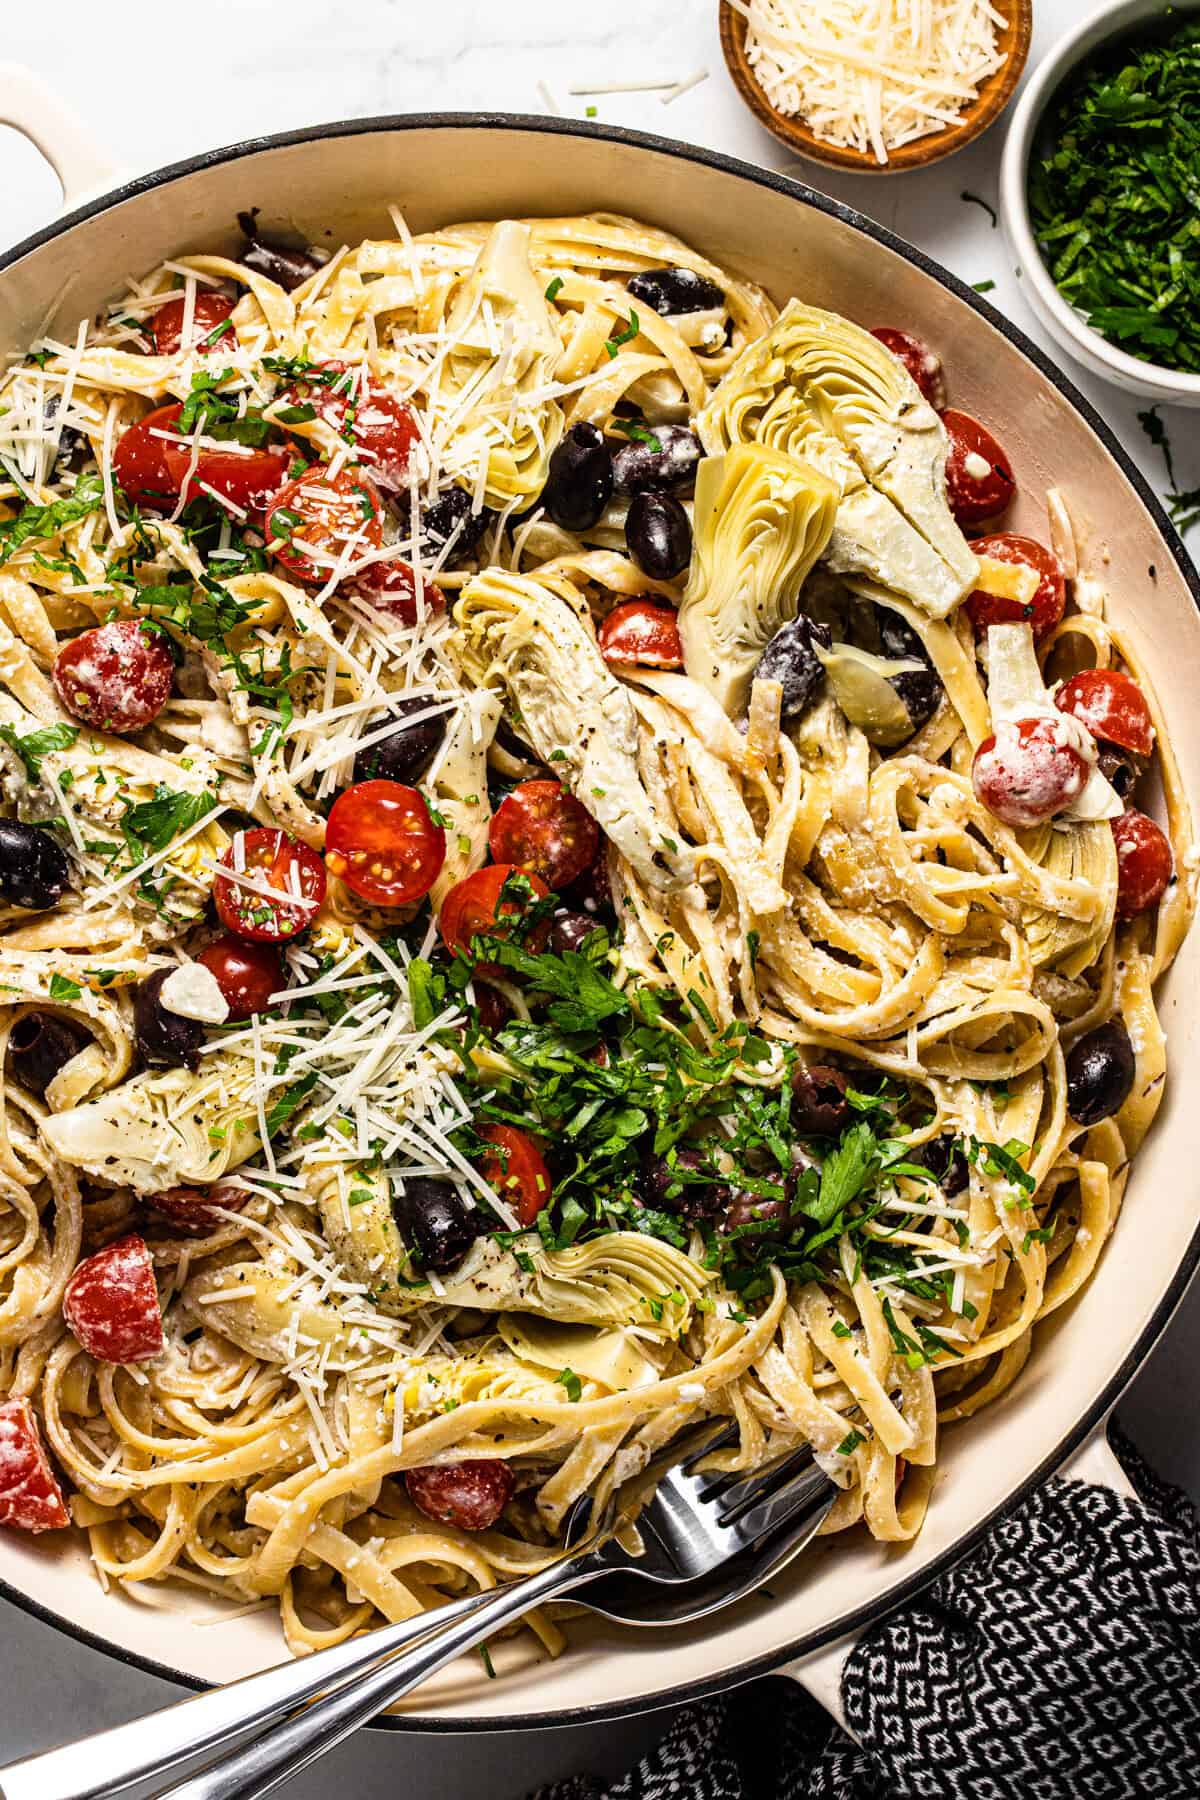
[[705, 1541]]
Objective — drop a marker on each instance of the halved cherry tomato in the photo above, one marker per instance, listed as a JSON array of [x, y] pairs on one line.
[[247, 974], [478, 907], [138, 466], [470, 1495], [164, 327], [382, 842], [1045, 609], [190, 1210], [115, 677], [274, 886], [111, 1303], [642, 631], [246, 477], [391, 587], [979, 477], [313, 520], [1112, 706], [30, 1495], [545, 831], [366, 414], [923, 364], [1145, 863], [517, 1170], [1028, 772]]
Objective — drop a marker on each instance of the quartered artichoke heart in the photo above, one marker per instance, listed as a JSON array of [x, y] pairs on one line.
[[458, 782], [504, 349], [166, 1128], [825, 390], [523, 635], [762, 518]]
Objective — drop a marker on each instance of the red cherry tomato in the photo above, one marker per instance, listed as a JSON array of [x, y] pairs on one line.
[[545, 831], [111, 1303], [190, 1210], [115, 677], [391, 587], [274, 887], [164, 327], [1026, 773], [138, 465], [477, 907], [979, 477], [366, 414], [1045, 609], [470, 1495], [642, 631], [245, 477], [923, 364], [316, 518], [1112, 706], [247, 974], [516, 1169], [1145, 863], [30, 1496], [382, 842]]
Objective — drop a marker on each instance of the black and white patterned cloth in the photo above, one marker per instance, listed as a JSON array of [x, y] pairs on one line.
[[1059, 1661]]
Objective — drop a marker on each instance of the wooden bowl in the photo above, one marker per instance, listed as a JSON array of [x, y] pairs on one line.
[[994, 95]]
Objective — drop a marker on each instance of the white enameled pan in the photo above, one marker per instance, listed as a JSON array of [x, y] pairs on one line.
[[335, 183]]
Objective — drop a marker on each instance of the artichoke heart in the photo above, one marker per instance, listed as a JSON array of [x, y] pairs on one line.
[[862, 686], [504, 348], [820, 388], [166, 1128], [522, 633], [762, 518], [459, 783], [1083, 853]]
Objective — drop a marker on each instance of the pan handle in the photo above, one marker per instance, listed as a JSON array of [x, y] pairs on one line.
[[83, 167], [820, 1672]]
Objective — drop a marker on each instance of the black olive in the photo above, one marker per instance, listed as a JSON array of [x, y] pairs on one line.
[[164, 1037], [73, 448], [1100, 1072], [39, 1045], [659, 1175], [945, 1159], [571, 930], [790, 659], [819, 1104], [920, 690], [450, 517], [436, 1221], [280, 263], [406, 753], [34, 871], [507, 739], [580, 481], [658, 535], [675, 291], [772, 1219], [1121, 770], [672, 467]]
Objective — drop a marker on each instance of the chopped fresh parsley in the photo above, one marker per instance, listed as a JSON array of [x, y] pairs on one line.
[[63, 989], [568, 1379], [35, 744], [153, 824], [33, 523]]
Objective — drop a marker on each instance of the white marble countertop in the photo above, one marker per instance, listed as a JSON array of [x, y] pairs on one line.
[[154, 82]]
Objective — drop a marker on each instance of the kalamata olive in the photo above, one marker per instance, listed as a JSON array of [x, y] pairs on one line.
[[579, 484], [920, 690], [39, 1045], [34, 871], [164, 1037], [819, 1104], [675, 291], [946, 1160], [508, 739], [658, 535], [791, 660], [451, 520], [436, 1221], [492, 1008], [73, 448], [1121, 770], [1100, 1072], [571, 930], [661, 1186], [406, 753], [280, 263], [770, 1217], [670, 467]]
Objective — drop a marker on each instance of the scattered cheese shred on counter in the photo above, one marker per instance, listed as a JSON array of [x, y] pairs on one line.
[[872, 74]]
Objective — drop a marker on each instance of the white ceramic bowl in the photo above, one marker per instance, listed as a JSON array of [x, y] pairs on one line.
[[1065, 325]]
